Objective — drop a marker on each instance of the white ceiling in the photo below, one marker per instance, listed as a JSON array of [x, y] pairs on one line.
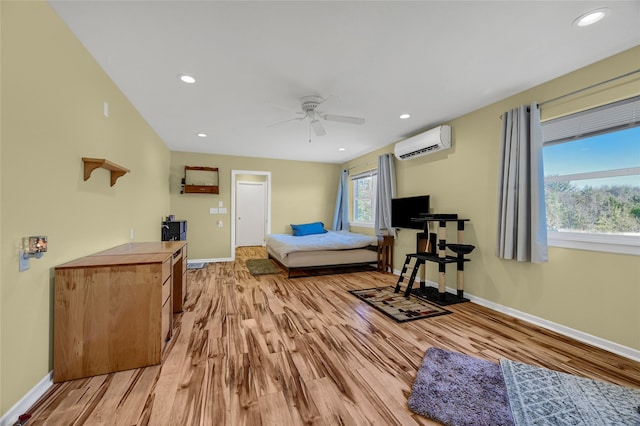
[[253, 60]]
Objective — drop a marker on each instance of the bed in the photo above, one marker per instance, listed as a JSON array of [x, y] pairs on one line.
[[328, 250]]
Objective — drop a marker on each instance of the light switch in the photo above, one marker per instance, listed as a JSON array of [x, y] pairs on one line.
[[222, 210], [220, 204], [213, 210]]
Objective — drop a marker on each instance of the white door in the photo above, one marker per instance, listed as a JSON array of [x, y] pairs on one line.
[[250, 213]]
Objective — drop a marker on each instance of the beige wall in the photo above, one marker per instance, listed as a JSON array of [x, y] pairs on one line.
[[596, 293], [52, 116], [300, 192]]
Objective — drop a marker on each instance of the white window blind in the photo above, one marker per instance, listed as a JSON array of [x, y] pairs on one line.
[[607, 118]]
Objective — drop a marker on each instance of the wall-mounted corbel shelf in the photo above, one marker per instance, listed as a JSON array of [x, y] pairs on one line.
[[90, 164]]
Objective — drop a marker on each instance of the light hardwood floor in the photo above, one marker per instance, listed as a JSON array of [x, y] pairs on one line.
[[275, 351]]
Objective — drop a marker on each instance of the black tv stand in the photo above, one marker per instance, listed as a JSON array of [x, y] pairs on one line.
[[438, 295]]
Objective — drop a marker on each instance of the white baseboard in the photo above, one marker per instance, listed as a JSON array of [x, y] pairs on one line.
[[607, 345], [21, 407], [212, 260]]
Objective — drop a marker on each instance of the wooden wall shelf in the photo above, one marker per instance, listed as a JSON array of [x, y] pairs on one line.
[[90, 164], [200, 180]]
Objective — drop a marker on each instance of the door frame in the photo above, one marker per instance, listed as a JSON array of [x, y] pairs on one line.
[[234, 174]]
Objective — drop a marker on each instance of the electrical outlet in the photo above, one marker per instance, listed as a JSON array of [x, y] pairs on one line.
[[131, 234], [219, 224]]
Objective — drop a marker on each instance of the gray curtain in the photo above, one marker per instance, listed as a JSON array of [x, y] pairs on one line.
[[341, 213], [385, 192], [522, 224]]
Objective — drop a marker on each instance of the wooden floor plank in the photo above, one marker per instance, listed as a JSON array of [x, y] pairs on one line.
[[253, 350]]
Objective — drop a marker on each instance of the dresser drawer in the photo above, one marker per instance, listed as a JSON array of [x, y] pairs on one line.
[[167, 317], [166, 290], [184, 286], [184, 258], [166, 269]]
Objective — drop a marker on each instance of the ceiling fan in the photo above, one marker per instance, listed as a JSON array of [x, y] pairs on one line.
[[309, 104]]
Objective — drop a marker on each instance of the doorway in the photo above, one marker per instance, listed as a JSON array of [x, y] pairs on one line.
[[251, 207], [250, 213]]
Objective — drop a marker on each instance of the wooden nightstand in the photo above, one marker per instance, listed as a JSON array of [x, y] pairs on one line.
[[385, 253]]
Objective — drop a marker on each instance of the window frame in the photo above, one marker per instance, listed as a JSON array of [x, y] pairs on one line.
[[583, 125], [358, 223], [608, 243]]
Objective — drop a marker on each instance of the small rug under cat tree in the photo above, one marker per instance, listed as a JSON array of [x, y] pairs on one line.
[[398, 307]]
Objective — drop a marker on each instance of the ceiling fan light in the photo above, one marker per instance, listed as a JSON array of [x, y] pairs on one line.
[[591, 17]]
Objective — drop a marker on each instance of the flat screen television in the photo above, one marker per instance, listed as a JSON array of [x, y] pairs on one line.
[[404, 209]]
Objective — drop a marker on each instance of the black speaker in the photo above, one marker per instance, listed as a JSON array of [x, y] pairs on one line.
[[175, 230]]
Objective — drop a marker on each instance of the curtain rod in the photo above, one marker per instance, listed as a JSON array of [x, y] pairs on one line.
[[590, 87], [362, 164], [575, 92], [367, 163]]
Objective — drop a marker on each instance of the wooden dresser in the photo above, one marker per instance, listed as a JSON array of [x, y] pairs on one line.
[[113, 310]]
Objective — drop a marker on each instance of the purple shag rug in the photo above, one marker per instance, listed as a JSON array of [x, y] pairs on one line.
[[460, 390]]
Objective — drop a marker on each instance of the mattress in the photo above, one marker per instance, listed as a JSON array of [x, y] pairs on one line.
[[331, 248]]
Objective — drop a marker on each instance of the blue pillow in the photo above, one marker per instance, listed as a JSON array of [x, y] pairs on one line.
[[308, 229]]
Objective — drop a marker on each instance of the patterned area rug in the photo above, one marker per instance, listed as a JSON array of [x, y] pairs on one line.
[[398, 307], [460, 390], [545, 397], [262, 267]]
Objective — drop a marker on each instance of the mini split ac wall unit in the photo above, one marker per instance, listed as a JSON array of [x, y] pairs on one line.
[[434, 140]]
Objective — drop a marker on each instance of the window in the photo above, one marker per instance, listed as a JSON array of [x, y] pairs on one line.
[[592, 178], [364, 198]]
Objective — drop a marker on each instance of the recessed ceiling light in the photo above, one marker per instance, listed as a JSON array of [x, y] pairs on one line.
[[185, 78], [404, 116], [341, 149], [201, 135], [590, 17]]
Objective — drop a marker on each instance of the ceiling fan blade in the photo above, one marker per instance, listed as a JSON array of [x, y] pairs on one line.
[[279, 123], [317, 127], [343, 119]]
